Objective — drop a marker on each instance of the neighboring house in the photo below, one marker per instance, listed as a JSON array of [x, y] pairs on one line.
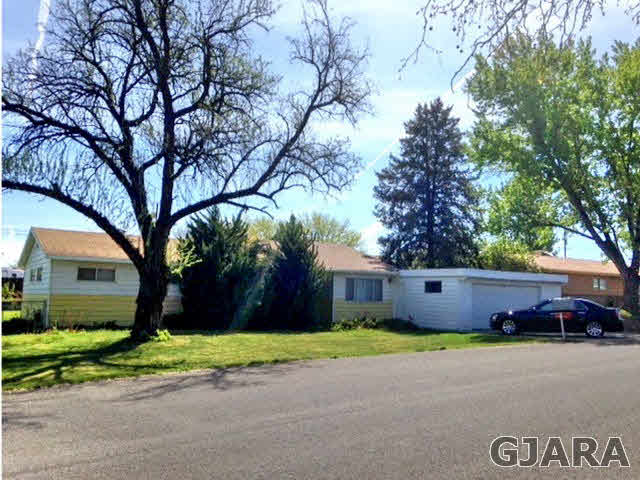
[[13, 277], [596, 280], [85, 278], [82, 278]]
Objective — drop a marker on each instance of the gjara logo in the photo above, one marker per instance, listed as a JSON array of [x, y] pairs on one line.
[[507, 451]]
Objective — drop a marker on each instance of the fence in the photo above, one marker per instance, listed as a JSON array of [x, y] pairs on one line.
[[32, 310]]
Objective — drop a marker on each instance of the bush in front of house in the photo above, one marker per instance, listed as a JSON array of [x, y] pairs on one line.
[[355, 323], [216, 285], [367, 321], [295, 284], [18, 325]]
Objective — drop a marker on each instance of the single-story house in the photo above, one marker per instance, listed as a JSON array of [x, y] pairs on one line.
[[592, 279], [84, 277]]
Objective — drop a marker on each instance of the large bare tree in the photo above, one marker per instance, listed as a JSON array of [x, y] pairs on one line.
[[139, 113]]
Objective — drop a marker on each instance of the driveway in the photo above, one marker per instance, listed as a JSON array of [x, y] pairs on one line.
[[416, 416]]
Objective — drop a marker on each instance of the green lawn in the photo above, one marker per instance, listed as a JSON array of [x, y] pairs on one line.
[[9, 314], [39, 360]]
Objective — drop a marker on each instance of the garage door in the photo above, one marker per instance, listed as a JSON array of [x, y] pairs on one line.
[[491, 298]]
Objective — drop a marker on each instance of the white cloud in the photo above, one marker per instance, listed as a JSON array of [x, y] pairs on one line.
[[11, 246], [41, 25], [370, 236]]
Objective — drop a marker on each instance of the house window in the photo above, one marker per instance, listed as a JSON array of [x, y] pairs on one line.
[[32, 275], [433, 287], [599, 284], [363, 290], [39, 274], [106, 275], [97, 274]]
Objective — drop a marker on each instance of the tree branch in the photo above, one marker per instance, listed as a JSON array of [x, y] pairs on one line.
[[55, 193]]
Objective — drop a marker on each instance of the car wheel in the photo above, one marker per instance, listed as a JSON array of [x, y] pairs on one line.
[[594, 329], [509, 327]]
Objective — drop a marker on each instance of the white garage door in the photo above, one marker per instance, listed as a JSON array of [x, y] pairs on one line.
[[491, 298]]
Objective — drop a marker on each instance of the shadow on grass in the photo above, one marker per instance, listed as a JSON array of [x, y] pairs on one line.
[[41, 364]]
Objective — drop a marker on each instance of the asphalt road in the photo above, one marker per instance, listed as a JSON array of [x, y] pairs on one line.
[[428, 415]]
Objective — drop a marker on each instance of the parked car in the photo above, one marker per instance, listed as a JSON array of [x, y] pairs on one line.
[[580, 315]]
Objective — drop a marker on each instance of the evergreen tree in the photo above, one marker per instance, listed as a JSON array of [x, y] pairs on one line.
[[295, 282], [426, 198], [214, 287]]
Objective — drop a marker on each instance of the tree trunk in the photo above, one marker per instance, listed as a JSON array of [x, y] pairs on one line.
[[154, 279], [631, 296]]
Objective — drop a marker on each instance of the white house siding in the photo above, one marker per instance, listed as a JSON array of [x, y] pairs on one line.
[[37, 259], [347, 309], [64, 279], [439, 311], [35, 294]]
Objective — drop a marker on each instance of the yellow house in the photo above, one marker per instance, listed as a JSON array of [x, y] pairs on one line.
[[362, 284], [86, 278], [82, 278]]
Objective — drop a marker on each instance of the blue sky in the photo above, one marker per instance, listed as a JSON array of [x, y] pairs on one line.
[[391, 30]]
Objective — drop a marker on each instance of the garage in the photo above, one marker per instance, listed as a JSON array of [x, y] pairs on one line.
[[488, 298], [463, 299]]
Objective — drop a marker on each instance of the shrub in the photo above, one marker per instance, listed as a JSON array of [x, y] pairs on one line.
[[176, 321], [18, 325], [110, 325], [161, 336], [295, 284], [215, 285], [366, 321]]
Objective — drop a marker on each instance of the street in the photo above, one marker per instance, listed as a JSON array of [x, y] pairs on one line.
[[411, 416]]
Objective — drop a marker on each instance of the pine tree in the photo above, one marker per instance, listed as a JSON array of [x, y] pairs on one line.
[[213, 288], [295, 282], [426, 197]]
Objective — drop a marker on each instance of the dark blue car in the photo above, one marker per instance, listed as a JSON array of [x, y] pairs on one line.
[[579, 315]]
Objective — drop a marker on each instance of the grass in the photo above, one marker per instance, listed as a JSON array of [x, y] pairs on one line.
[[9, 314], [32, 361]]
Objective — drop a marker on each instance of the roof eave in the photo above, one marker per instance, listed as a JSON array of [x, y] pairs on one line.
[[91, 259], [378, 272], [26, 249]]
